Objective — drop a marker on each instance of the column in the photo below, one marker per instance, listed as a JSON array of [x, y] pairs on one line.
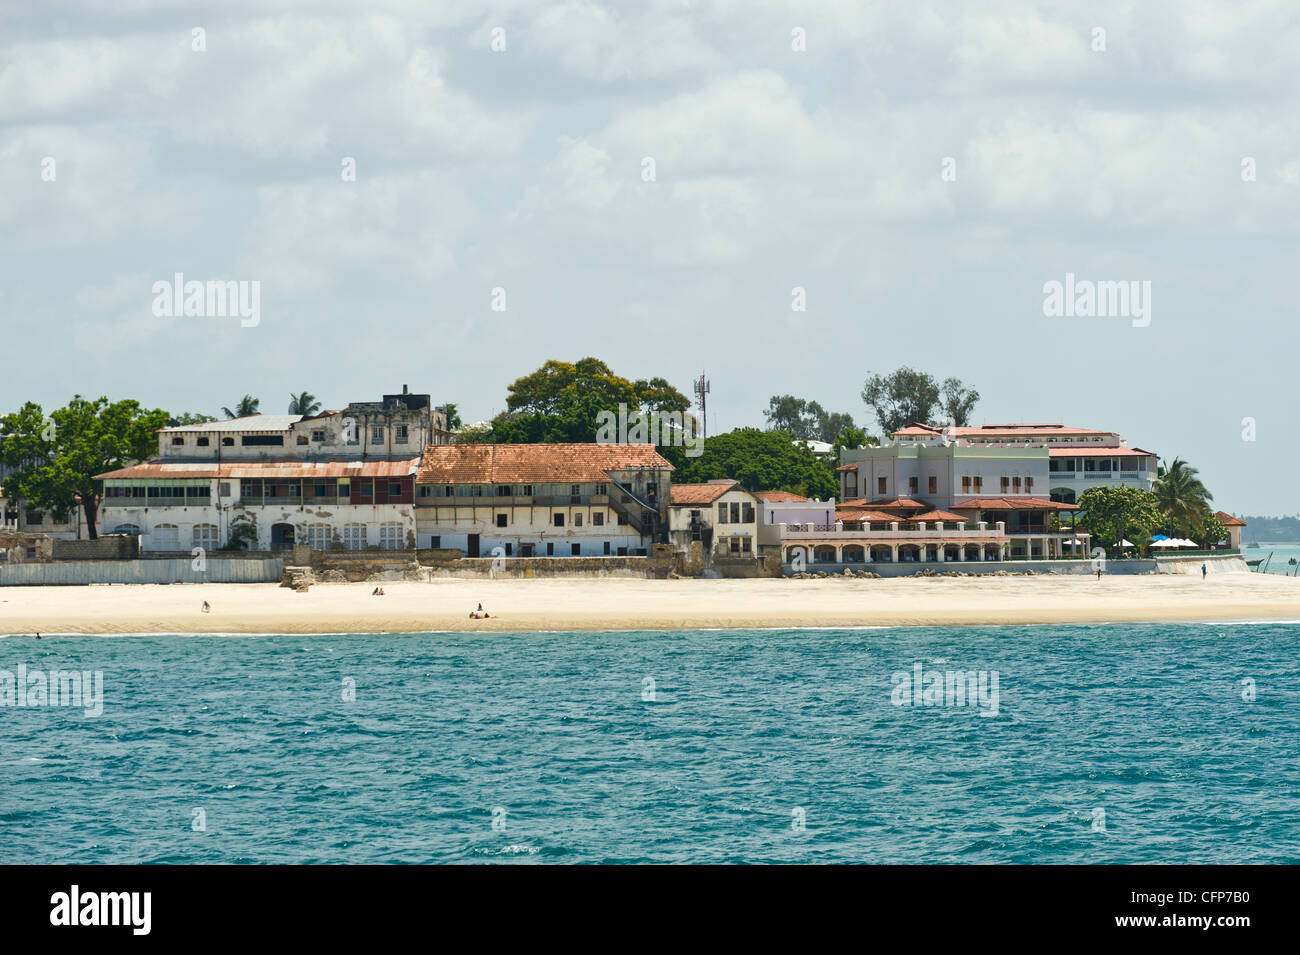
[[981, 553], [893, 548]]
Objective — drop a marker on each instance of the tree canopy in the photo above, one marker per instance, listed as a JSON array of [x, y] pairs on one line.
[[805, 420], [1182, 496], [906, 395], [563, 401], [246, 407], [759, 460], [54, 459], [303, 403], [1111, 514]]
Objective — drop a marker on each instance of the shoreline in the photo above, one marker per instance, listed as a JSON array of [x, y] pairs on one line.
[[633, 604]]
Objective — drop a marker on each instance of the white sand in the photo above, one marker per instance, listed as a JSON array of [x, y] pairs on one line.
[[625, 604]]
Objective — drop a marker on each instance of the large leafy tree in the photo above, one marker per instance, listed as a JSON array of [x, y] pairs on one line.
[[1113, 513], [246, 408], [1181, 495], [806, 420], [759, 460], [1210, 530], [303, 403], [453, 415], [54, 460], [563, 401], [188, 417], [907, 396]]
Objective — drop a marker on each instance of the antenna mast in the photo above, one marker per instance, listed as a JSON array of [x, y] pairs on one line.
[[701, 386]]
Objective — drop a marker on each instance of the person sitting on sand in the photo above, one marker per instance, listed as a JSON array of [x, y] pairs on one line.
[[206, 608], [377, 592]]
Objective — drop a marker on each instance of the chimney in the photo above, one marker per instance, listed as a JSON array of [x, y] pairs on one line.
[[406, 389]]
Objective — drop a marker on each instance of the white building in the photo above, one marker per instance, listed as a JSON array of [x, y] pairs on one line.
[[542, 500], [1078, 458], [721, 515]]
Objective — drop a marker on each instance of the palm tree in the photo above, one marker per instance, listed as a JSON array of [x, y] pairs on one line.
[[303, 404], [1181, 494], [246, 408]]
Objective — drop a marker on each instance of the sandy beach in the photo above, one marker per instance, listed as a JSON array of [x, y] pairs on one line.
[[635, 604]]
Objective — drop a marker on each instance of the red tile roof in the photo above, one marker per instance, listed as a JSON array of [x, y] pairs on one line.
[[847, 467], [929, 516], [901, 503], [685, 494], [779, 497], [1011, 504], [1098, 453], [843, 513], [886, 541], [533, 463], [263, 469], [1227, 520]]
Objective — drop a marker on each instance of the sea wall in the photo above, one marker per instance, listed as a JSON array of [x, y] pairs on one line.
[[217, 570], [107, 547], [1227, 564], [529, 567]]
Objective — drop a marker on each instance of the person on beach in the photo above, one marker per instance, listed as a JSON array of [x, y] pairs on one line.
[[1203, 572], [206, 608], [1099, 571]]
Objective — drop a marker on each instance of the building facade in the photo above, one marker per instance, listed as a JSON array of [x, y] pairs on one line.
[[721, 515], [542, 500]]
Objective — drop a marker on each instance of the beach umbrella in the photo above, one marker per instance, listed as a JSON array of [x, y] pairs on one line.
[[1125, 542], [1167, 542], [1159, 537]]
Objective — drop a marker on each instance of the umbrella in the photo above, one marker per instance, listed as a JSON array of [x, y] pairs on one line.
[[1125, 542], [1159, 537], [1167, 542]]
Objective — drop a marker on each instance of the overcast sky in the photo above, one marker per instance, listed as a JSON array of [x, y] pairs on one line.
[[775, 168]]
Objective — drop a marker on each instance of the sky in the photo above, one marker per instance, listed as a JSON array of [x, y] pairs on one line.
[[650, 183]]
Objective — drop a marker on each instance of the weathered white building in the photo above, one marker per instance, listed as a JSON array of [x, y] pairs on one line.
[[540, 500], [721, 515]]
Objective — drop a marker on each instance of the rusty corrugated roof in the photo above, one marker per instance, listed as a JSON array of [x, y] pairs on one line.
[[533, 463]]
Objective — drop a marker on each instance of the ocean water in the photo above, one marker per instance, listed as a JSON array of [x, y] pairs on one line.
[[1111, 744], [1277, 562]]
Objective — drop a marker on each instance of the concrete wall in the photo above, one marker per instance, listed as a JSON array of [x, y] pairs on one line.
[[1227, 564], [164, 571]]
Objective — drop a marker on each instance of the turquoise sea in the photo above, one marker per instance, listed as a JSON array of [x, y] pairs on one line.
[[1276, 557], [1111, 744]]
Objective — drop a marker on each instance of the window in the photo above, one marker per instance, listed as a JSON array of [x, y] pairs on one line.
[[132, 530], [880, 486], [367, 489], [503, 491], [501, 520], [577, 520], [1006, 482], [1015, 484], [435, 542], [575, 489], [965, 484], [345, 489], [224, 489], [35, 517], [747, 514], [319, 536], [262, 440], [166, 537], [177, 442], [550, 548], [622, 519], [302, 439], [735, 512], [320, 490], [598, 519], [394, 488], [1029, 484], [399, 434], [227, 442], [575, 550], [205, 536], [527, 490], [202, 442], [510, 549], [390, 536], [933, 484], [606, 548], [354, 536], [600, 489], [735, 545], [559, 519], [376, 435], [913, 484], [979, 484], [318, 435], [722, 513]]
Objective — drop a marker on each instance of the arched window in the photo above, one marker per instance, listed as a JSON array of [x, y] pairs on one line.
[[354, 536], [390, 536], [319, 536], [205, 536], [166, 537], [131, 529]]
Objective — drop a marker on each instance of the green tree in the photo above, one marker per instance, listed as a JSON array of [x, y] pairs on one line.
[[1210, 530], [54, 460], [453, 416], [246, 408], [1113, 513], [759, 460], [563, 402], [907, 396], [1181, 494], [958, 402], [805, 420], [303, 403], [188, 417]]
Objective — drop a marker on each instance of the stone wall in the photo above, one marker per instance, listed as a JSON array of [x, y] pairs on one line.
[[529, 567], [106, 547]]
